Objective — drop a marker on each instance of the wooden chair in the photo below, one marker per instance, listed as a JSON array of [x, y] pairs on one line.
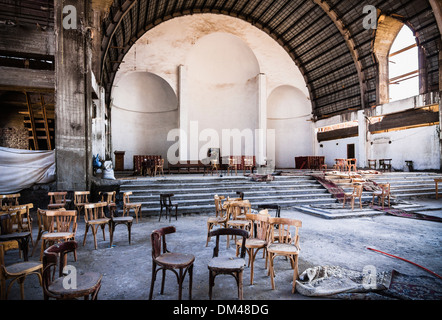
[[166, 260], [110, 199], [88, 284], [258, 238], [58, 200], [228, 265], [159, 165], [7, 200], [372, 164], [17, 272], [220, 218], [339, 165], [167, 205], [382, 195], [127, 205], [351, 164], [236, 216], [214, 165], [94, 217], [61, 226], [80, 199], [43, 226], [233, 165], [357, 193], [287, 244], [248, 164], [21, 217]]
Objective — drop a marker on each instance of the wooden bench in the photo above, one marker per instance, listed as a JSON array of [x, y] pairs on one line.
[[188, 167]]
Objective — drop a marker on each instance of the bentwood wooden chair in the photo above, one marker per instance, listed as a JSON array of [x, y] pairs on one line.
[[284, 245], [233, 165], [259, 233], [233, 266], [159, 166], [166, 260], [356, 194], [57, 199], [61, 225], [115, 219], [167, 205], [382, 195], [220, 218], [236, 216], [80, 199], [7, 200], [95, 217], [248, 164], [17, 272], [87, 284], [128, 205]]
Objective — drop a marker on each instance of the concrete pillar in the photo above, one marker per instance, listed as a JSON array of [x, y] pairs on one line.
[[183, 113], [73, 97], [362, 140]]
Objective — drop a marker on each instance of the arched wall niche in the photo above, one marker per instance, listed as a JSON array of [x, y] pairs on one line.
[[144, 109], [288, 110]]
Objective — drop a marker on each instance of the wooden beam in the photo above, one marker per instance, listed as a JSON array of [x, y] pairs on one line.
[[408, 118], [20, 79], [338, 134], [29, 43]]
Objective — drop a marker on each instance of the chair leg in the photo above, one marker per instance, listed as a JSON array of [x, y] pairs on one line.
[[190, 271], [295, 273], [211, 283], [152, 281], [129, 230], [85, 233]]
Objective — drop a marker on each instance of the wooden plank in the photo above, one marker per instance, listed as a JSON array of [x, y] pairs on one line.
[[33, 43], [338, 134], [404, 119]]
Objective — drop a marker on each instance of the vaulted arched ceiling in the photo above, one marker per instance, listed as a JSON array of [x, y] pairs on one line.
[[325, 38]]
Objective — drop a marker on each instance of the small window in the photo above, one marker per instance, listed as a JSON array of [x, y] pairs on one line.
[[403, 66]]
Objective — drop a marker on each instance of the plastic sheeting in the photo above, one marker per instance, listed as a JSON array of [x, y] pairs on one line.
[[20, 169]]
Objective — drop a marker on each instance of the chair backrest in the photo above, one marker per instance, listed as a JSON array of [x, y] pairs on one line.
[[57, 197], [81, 197], [94, 211], [357, 191], [7, 200], [126, 196], [6, 223], [166, 199], [159, 162], [109, 197], [248, 161], [260, 224], [385, 188], [218, 205], [51, 257], [158, 240], [237, 208], [276, 207], [284, 233], [229, 231], [61, 220]]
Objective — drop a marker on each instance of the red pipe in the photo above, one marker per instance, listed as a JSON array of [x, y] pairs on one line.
[[433, 273]]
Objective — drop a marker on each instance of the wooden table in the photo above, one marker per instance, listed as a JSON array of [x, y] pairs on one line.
[[22, 238], [436, 181]]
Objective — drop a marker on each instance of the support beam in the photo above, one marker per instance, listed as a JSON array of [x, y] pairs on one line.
[[21, 79], [73, 99], [29, 43]]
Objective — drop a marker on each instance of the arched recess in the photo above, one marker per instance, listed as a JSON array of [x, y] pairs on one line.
[[144, 109], [222, 89], [288, 108]]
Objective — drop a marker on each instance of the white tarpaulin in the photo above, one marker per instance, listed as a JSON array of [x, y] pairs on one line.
[[20, 169]]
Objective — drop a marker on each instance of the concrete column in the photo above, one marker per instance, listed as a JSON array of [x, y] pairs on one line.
[[362, 140], [73, 99], [183, 113], [261, 137]]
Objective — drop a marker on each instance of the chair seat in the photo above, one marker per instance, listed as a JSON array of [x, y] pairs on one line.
[[282, 248], [132, 205], [175, 259], [238, 223], [86, 284], [123, 219], [99, 221], [57, 235], [253, 243], [17, 269], [227, 263], [216, 220]]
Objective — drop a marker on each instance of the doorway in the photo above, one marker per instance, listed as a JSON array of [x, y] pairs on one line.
[[350, 151]]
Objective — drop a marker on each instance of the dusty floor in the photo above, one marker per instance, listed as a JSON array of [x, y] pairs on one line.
[[126, 268]]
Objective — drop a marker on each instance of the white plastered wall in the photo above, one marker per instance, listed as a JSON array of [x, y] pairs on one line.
[[176, 47]]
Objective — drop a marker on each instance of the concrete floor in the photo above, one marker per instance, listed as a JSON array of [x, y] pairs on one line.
[[126, 268]]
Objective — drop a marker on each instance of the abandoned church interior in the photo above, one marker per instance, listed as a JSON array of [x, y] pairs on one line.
[[249, 149]]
